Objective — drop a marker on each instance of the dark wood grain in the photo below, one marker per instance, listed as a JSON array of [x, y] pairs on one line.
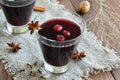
[[68, 4], [103, 76], [116, 74]]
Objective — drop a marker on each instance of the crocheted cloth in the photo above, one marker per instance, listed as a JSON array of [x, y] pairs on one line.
[[98, 58]]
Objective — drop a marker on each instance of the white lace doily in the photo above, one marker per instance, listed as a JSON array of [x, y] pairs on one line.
[[98, 58]]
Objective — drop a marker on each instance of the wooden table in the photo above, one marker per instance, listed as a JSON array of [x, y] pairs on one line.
[[109, 36]]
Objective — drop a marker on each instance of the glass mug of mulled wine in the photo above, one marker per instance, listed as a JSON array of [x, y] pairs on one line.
[[17, 13], [58, 39]]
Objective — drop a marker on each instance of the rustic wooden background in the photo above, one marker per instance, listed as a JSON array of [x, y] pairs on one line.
[[106, 27]]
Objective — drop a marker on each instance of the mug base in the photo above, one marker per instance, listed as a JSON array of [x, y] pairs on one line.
[[16, 29], [56, 69]]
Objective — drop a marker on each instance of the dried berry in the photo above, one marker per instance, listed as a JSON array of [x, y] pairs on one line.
[[57, 28], [66, 33], [60, 38]]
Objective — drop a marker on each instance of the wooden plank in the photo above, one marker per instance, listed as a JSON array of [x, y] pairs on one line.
[[67, 4], [114, 5], [75, 3], [116, 74], [115, 10], [102, 76]]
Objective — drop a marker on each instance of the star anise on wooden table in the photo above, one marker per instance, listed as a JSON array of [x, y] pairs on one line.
[[33, 25], [78, 55], [14, 46]]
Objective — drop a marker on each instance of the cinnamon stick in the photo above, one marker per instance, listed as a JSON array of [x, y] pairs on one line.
[[39, 8]]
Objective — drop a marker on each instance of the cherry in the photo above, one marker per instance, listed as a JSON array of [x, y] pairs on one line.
[[60, 38], [66, 33], [57, 28]]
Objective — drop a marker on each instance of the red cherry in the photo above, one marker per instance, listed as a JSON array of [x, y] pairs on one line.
[[57, 28], [66, 33], [60, 38]]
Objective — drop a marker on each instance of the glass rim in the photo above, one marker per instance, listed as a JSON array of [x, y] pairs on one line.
[[82, 31], [17, 0], [12, 1]]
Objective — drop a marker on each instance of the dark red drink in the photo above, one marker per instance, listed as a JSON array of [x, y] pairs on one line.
[[58, 53], [17, 12]]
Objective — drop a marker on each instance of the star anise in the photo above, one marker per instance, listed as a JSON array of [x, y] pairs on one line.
[[32, 66], [34, 69], [14, 47], [78, 55], [33, 25]]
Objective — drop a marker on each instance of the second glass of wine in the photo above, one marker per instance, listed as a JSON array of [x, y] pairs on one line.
[[17, 13]]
